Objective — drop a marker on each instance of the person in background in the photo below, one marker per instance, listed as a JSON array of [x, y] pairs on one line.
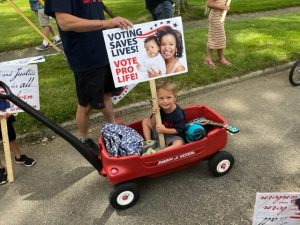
[[44, 21], [216, 32], [160, 9], [19, 158], [80, 25]]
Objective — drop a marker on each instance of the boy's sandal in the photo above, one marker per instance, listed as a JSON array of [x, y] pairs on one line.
[[225, 62], [210, 63]]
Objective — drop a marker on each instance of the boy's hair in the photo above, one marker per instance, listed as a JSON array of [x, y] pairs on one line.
[[166, 85], [151, 38], [178, 38]]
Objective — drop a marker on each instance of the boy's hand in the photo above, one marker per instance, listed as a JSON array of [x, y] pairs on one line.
[[160, 128], [154, 111], [5, 115]]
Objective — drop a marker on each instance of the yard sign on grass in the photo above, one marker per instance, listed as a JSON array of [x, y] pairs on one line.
[[130, 62]]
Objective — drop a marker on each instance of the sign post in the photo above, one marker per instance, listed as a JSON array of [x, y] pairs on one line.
[[157, 115], [7, 155], [225, 11], [32, 25]]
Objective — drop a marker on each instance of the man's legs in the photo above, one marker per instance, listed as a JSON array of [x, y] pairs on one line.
[[163, 11], [107, 112], [82, 120]]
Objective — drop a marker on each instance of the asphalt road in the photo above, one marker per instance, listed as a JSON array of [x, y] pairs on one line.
[[62, 188]]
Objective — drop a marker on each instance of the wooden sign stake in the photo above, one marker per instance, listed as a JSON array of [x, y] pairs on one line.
[[157, 115], [6, 147], [225, 11], [33, 26]]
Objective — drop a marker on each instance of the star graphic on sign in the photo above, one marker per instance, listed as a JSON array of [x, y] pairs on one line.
[[161, 23]]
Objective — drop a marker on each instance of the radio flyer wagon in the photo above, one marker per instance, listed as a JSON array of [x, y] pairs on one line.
[[123, 171]]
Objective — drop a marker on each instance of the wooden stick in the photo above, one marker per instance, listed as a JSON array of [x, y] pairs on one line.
[[161, 137], [6, 147], [108, 11], [225, 11], [33, 26]]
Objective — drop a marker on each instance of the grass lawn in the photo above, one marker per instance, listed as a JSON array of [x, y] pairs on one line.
[[17, 34], [252, 44]]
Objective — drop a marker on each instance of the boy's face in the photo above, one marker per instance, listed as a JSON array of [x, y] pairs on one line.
[[152, 48], [166, 100]]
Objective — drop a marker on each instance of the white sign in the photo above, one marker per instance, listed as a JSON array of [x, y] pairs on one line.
[[276, 208], [24, 61], [125, 90], [23, 82], [146, 51]]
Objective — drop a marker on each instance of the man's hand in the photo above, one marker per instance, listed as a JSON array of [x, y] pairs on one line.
[[119, 22]]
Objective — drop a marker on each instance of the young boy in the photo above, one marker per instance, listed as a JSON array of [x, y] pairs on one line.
[[19, 158], [153, 59], [172, 116]]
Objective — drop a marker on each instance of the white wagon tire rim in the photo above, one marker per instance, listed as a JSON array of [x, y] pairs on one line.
[[223, 166], [125, 198]]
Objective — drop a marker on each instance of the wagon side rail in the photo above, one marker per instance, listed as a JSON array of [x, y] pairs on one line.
[[75, 142]]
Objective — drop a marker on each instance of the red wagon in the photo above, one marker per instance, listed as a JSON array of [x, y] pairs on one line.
[[124, 171]]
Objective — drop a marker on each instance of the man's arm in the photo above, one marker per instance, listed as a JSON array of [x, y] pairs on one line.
[[68, 22]]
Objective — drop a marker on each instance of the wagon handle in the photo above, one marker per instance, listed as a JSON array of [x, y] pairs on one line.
[[80, 147], [7, 91]]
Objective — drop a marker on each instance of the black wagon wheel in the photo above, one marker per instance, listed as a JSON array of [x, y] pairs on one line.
[[294, 75], [124, 195], [221, 163]]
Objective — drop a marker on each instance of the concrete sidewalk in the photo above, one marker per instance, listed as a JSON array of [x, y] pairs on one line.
[[62, 188]]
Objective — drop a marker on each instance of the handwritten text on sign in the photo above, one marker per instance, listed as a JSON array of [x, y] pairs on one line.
[[23, 82], [276, 209]]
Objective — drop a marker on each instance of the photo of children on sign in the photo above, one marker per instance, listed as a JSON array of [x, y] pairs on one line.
[[146, 51]]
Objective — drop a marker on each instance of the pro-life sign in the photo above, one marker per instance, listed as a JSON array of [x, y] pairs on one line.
[[23, 82], [156, 47]]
